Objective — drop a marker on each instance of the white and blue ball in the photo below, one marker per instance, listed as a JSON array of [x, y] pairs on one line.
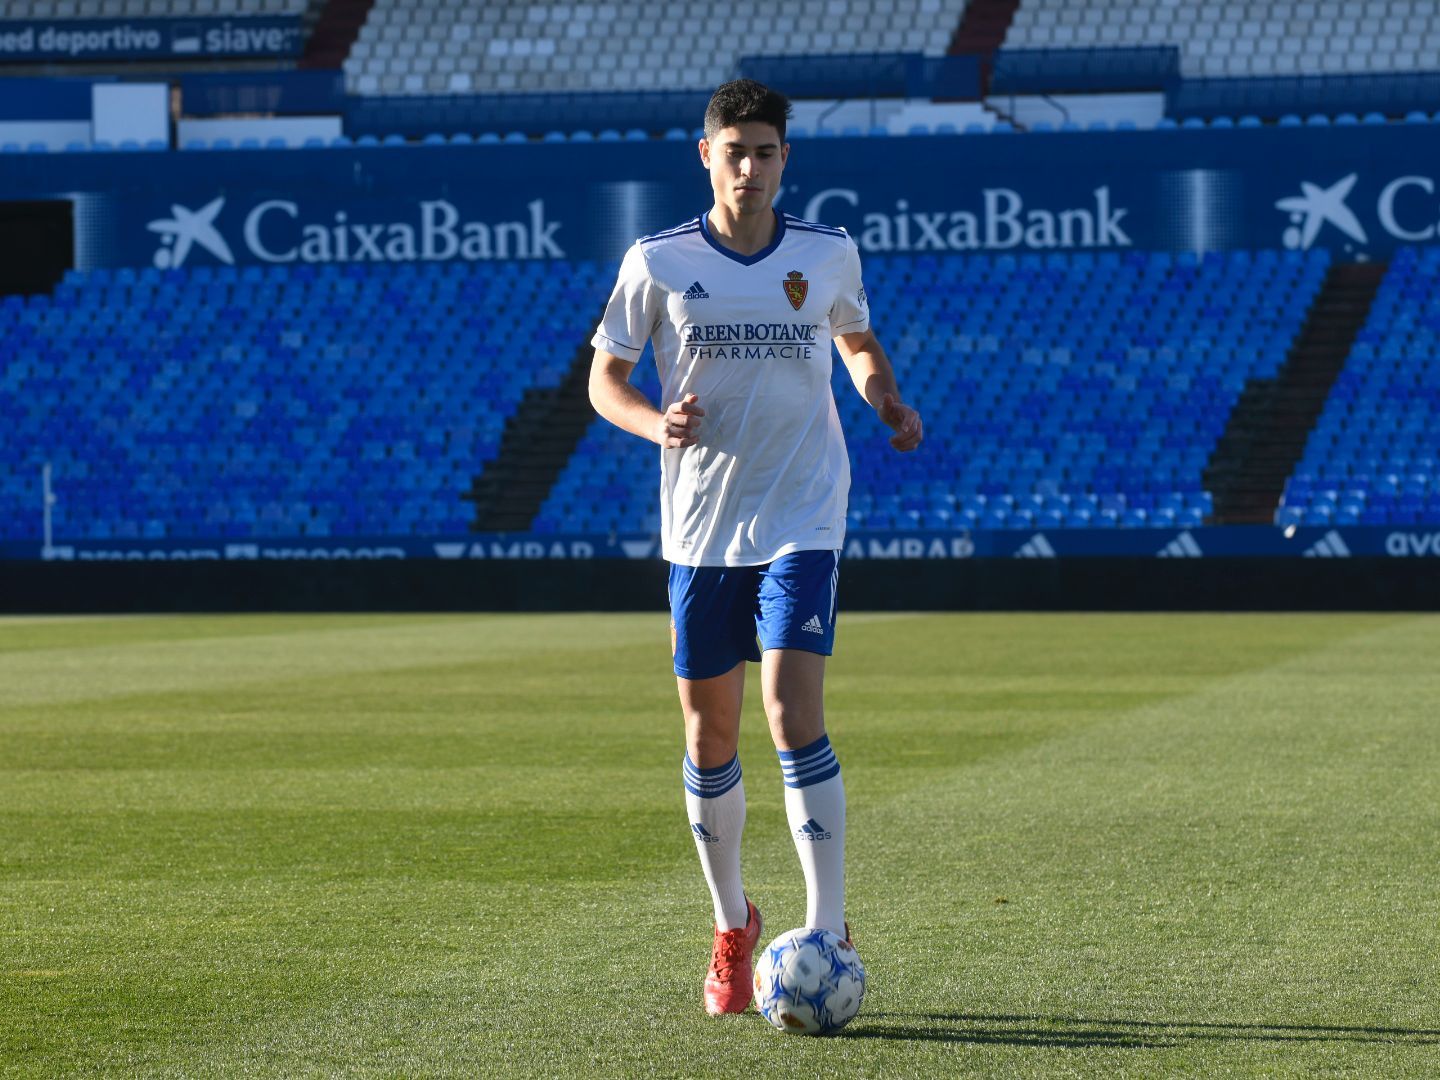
[[809, 982]]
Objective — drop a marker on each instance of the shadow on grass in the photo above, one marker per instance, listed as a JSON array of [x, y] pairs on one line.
[[1080, 1032]]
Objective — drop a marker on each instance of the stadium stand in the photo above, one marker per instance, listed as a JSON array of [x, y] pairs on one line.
[[111, 9], [295, 421], [1233, 38], [1374, 456], [409, 47], [1036, 416], [238, 403]]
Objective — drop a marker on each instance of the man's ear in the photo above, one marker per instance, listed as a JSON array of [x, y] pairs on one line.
[[704, 147]]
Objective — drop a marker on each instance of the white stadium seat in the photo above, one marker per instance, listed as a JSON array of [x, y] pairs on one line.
[[536, 45]]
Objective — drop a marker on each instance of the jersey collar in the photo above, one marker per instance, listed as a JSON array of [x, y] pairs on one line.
[[744, 260]]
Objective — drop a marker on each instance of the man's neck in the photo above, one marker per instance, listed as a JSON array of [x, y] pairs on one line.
[[743, 234]]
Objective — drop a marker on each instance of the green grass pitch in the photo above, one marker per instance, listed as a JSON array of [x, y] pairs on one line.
[[456, 846]]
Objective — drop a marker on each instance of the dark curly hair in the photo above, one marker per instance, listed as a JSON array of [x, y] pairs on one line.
[[744, 101]]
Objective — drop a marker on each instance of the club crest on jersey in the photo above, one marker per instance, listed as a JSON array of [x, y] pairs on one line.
[[795, 288]]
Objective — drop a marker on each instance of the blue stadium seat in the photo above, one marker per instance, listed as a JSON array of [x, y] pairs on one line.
[[1373, 457]]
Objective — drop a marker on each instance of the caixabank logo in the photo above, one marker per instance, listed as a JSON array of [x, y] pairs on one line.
[[1403, 208], [287, 231], [999, 218]]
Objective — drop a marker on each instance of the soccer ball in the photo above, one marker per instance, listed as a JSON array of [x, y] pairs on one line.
[[809, 982]]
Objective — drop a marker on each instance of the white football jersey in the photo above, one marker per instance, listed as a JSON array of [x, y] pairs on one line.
[[750, 336]]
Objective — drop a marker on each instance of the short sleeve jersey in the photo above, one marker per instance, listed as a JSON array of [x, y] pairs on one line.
[[750, 336]]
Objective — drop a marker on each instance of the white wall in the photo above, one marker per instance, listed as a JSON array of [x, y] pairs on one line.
[[139, 111], [294, 130], [1142, 110], [55, 134]]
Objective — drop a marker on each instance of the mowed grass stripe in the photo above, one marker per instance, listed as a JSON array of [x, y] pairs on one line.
[[1255, 845], [265, 650], [1039, 760]]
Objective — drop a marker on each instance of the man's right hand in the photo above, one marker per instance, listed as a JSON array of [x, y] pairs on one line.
[[680, 424]]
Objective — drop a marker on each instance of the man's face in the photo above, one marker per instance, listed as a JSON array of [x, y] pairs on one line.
[[745, 163]]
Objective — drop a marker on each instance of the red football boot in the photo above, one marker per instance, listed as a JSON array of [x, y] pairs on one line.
[[729, 984]]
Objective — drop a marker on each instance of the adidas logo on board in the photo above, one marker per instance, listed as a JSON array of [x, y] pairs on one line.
[[1330, 546], [1182, 547], [1037, 547]]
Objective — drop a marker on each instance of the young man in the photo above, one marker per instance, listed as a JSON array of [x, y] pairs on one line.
[[742, 304]]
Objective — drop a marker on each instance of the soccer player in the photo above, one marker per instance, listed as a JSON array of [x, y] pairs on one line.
[[742, 304]]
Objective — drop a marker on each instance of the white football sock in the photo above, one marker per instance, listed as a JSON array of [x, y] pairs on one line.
[[715, 801], [815, 807]]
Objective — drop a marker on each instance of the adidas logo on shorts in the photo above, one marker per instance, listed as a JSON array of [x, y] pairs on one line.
[[696, 292], [813, 626]]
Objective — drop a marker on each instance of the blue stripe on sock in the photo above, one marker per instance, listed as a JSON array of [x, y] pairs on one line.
[[819, 746], [710, 783], [811, 764]]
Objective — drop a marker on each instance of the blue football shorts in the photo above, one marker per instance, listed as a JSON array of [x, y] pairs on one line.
[[721, 615]]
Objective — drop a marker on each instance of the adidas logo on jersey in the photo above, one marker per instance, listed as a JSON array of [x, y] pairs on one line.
[[812, 830], [696, 292], [813, 626]]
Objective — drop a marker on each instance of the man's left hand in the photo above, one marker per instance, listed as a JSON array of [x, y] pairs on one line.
[[904, 420]]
